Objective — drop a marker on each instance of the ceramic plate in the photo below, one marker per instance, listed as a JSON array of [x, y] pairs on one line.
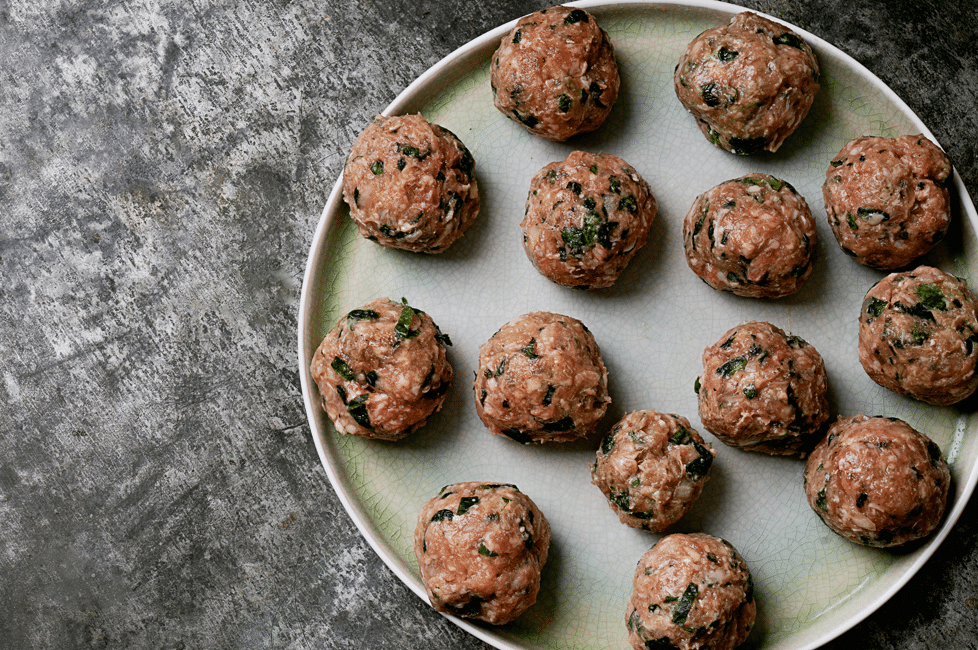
[[652, 328]]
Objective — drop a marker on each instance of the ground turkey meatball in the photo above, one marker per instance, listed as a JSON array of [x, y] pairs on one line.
[[887, 199], [763, 390], [691, 591], [382, 370], [877, 481], [652, 467], [480, 548], [753, 236], [918, 336], [555, 73], [410, 184], [585, 219], [749, 84], [541, 378]]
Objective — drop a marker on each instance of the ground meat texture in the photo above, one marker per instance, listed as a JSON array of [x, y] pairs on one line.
[[753, 236], [555, 73], [877, 481], [585, 219], [652, 467], [749, 84], [691, 591], [481, 548], [410, 184], [887, 200], [763, 390], [918, 336], [541, 378], [382, 370]]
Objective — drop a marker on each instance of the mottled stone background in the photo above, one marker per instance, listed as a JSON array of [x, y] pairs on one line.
[[163, 165]]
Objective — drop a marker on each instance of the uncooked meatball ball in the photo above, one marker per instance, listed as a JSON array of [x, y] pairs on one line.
[[918, 336], [753, 236], [877, 481], [480, 548], [652, 467], [541, 378], [749, 84], [555, 73], [382, 370], [585, 219], [763, 390], [691, 591], [887, 200], [410, 184]]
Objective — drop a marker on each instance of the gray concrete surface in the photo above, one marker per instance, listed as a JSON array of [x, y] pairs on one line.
[[163, 165]]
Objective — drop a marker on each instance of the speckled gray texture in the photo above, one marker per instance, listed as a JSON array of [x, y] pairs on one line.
[[163, 165]]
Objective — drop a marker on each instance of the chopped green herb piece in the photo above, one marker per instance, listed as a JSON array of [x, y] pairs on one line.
[[700, 466], [377, 167], [820, 500], [565, 423], [574, 187], [747, 146], [750, 392], [576, 16], [442, 515], [861, 500], [517, 435], [710, 97], [788, 39], [501, 368], [876, 307], [931, 297], [362, 314], [548, 398], [342, 369], [594, 169], [528, 349], [726, 55], [615, 184], [486, 552], [465, 503], [734, 365], [696, 386], [681, 437], [564, 103], [681, 611], [577, 239], [371, 376], [403, 326], [517, 36], [629, 204], [608, 443], [357, 408]]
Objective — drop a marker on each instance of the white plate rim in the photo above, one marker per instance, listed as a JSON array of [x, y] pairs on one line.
[[306, 347]]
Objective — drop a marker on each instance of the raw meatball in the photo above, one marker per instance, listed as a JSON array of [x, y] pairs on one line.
[[691, 591], [555, 73], [918, 335], [652, 467], [886, 199], [877, 481], [763, 390], [480, 548], [749, 84], [753, 236], [541, 378], [585, 219], [410, 184], [382, 370]]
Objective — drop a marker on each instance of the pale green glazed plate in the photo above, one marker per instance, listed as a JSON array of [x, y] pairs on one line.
[[652, 327]]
